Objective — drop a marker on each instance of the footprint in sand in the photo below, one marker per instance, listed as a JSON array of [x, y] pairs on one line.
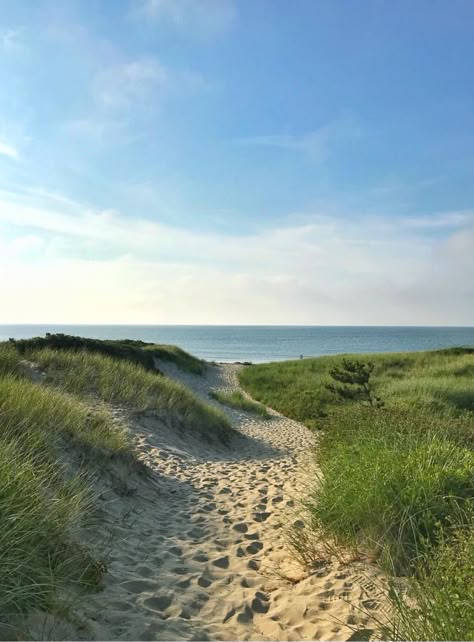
[[222, 562], [254, 548], [261, 517], [158, 602]]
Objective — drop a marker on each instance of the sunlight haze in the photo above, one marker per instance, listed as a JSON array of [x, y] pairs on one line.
[[237, 162]]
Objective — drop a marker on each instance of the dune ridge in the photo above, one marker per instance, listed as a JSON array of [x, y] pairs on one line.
[[200, 547]]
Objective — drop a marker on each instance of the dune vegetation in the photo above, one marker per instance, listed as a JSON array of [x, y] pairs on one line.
[[238, 400], [58, 429], [397, 478], [139, 352]]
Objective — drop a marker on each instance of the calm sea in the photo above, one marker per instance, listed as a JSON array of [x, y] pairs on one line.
[[264, 343]]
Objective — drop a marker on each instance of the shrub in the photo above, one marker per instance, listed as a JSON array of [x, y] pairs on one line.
[[353, 382]]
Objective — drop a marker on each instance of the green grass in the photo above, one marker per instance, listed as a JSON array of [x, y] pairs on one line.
[[138, 352], [41, 510], [127, 384], [439, 604], [391, 481], [183, 360], [438, 381], [50, 422], [238, 400], [397, 483]]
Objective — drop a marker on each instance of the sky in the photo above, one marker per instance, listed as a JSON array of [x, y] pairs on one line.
[[237, 162]]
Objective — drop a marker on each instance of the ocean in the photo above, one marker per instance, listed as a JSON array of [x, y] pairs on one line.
[[265, 343]]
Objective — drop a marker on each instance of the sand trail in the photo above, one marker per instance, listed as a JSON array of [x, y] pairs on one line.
[[200, 552]]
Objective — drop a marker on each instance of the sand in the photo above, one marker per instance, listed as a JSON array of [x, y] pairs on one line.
[[200, 549]]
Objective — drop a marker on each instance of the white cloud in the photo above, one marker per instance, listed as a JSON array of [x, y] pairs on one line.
[[127, 94], [107, 267], [9, 151], [200, 18], [129, 82]]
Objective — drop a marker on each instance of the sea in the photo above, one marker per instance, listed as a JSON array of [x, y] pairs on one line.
[[258, 344]]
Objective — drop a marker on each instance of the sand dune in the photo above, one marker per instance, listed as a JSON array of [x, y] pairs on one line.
[[200, 549]]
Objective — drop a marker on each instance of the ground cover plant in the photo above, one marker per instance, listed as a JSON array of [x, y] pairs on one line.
[[237, 399], [397, 482]]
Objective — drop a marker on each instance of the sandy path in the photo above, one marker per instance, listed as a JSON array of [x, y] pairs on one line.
[[200, 553]]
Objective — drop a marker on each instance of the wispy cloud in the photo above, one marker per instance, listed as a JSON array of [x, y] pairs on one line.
[[199, 18], [138, 270], [316, 143], [9, 151], [131, 83]]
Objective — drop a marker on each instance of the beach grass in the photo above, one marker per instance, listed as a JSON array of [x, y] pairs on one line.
[[134, 351], [440, 381], [396, 482], [42, 507], [238, 400], [438, 603], [55, 412], [131, 386]]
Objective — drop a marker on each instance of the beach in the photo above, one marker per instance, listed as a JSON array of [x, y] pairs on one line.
[[201, 551]]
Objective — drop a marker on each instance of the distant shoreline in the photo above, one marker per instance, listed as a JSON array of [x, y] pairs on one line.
[[262, 344]]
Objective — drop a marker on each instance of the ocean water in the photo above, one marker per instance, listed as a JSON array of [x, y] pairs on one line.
[[265, 343]]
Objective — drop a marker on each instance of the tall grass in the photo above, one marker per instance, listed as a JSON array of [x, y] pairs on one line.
[[9, 359], [439, 602], [238, 400], [42, 426], [397, 483], [128, 384], [438, 381], [138, 352], [41, 415], [183, 360], [40, 510], [391, 482], [41, 514]]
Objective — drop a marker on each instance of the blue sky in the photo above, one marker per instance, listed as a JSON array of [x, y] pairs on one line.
[[237, 161]]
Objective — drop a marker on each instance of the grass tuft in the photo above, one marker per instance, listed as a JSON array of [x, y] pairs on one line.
[[238, 400], [130, 385]]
